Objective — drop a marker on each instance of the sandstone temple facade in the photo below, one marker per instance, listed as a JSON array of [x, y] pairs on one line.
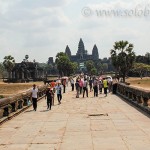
[[82, 54]]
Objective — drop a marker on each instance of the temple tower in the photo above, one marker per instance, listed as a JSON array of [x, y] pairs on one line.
[[81, 50], [68, 51], [95, 53]]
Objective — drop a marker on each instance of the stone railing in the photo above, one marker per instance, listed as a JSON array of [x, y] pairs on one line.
[[136, 96], [17, 103]]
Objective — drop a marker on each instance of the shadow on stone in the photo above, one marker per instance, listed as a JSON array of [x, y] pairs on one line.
[[28, 111]]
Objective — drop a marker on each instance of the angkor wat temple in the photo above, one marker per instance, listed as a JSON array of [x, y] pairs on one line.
[[27, 71], [82, 54]]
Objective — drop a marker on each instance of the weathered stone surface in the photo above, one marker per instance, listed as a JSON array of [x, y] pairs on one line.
[[103, 123]]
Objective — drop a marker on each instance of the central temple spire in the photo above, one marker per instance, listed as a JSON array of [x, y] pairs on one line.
[[82, 54], [95, 53], [81, 49]]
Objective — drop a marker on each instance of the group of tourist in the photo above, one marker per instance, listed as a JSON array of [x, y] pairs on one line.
[[82, 83], [95, 84]]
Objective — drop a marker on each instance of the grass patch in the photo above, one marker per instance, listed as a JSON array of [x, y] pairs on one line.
[[144, 83]]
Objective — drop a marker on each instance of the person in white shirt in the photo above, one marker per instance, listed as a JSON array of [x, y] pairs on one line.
[[59, 93], [85, 87], [72, 84], [34, 94]]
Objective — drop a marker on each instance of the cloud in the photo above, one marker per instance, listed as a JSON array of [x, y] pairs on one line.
[[30, 25], [43, 28]]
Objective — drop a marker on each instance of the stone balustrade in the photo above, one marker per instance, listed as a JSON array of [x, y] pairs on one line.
[[18, 102], [137, 96]]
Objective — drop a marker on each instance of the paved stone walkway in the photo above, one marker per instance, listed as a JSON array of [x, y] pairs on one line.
[[103, 123]]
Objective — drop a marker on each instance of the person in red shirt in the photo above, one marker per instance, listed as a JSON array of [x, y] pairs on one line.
[[53, 84], [81, 85]]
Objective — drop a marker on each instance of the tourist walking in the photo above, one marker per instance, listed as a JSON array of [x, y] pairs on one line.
[[64, 85], [72, 84], [100, 86], [53, 84], [49, 95], [34, 95], [90, 84], [85, 87], [81, 85], [59, 93], [77, 88], [109, 84], [95, 87], [105, 84]]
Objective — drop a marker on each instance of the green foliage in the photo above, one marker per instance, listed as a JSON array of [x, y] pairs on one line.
[[9, 63], [64, 65], [72, 68], [141, 68], [93, 71], [90, 65], [123, 57], [46, 67], [1, 96], [2, 69]]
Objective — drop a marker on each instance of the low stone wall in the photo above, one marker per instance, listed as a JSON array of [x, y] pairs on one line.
[[137, 96], [17, 103]]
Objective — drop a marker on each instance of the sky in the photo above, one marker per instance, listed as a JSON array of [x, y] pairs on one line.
[[42, 28]]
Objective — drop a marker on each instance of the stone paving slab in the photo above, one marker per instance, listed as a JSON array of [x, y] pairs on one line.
[[101, 123]]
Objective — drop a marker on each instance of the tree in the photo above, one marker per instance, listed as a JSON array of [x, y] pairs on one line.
[[89, 65], [142, 59], [26, 58], [72, 68], [9, 63], [2, 69], [123, 57], [93, 71], [141, 68], [63, 64], [147, 55], [46, 67], [102, 67], [105, 67]]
